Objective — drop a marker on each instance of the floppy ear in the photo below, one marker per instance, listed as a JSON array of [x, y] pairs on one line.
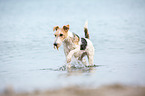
[[66, 27], [55, 28]]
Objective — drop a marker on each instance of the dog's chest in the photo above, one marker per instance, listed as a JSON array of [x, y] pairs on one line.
[[68, 46]]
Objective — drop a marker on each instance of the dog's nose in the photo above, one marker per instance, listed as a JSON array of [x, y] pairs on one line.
[[55, 44]]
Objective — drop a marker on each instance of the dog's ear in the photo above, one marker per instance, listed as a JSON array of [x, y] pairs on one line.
[[66, 27], [55, 28]]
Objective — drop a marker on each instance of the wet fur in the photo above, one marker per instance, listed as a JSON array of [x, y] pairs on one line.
[[74, 45]]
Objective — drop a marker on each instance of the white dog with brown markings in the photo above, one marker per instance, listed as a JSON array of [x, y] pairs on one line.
[[74, 45]]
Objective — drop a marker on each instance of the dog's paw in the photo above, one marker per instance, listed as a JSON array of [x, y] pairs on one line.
[[68, 66]]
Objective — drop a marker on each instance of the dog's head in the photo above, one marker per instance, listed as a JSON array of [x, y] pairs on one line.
[[60, 35]]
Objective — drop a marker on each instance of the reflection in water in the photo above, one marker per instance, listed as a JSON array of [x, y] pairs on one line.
[[75, 69]]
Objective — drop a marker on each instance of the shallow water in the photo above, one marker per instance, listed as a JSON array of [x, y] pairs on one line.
[[28, 60]]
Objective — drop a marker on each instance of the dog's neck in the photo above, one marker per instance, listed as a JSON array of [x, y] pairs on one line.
[[68, 43], [69, 40]]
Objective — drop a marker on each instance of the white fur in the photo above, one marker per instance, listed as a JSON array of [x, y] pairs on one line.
[[70, 50]]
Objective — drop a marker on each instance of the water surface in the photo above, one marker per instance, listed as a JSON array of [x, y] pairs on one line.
[[28, 60]]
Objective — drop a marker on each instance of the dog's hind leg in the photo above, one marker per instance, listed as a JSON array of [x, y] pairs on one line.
[[91, 59], [90, 55], [83, 60]]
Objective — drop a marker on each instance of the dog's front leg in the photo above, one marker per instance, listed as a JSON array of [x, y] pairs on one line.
[[71, 53]]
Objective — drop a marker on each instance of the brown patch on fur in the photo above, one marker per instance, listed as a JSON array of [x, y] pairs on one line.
[[76, 39], [55, 28], [66, 27], [61, 33], [86, 33]]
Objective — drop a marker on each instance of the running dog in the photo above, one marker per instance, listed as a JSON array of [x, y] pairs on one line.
[[74, 45]]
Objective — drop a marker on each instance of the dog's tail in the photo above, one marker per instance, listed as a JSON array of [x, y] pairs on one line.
[[86, 30]]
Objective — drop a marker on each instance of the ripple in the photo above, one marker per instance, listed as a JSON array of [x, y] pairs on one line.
[[73, 68]]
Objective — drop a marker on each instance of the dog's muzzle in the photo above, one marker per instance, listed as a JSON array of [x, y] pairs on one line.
[[55, 45]]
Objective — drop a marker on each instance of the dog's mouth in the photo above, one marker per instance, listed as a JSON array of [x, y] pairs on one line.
[[56, 47]]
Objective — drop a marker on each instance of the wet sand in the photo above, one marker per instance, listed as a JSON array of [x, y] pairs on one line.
[[108, 90]]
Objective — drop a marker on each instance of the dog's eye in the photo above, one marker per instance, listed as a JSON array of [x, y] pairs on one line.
[[61, 34]]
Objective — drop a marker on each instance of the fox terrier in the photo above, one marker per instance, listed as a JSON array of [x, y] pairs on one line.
[[74, 45]]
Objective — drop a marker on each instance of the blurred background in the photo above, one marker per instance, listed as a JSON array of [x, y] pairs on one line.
[[28, 60]]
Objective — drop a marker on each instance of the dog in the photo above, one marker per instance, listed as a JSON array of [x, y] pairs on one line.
[[74, 45]]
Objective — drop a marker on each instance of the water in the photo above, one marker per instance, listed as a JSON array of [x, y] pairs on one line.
[[28, 60]]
